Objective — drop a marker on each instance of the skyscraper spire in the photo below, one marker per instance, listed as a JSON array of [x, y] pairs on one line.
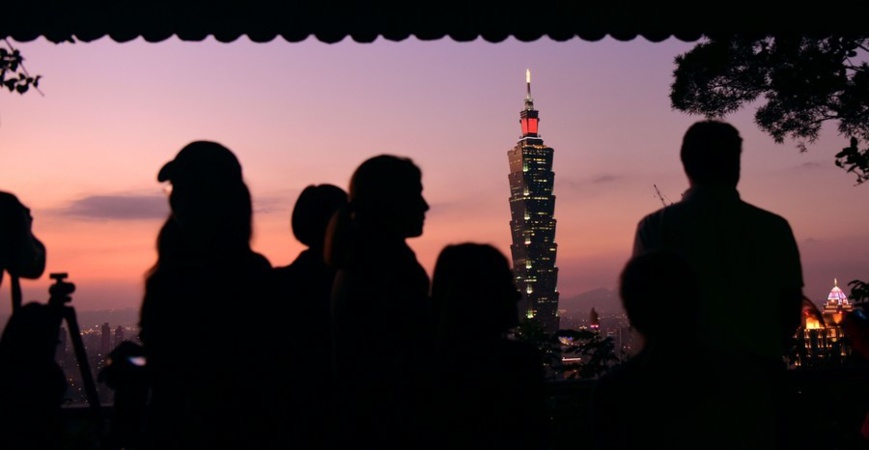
[[529, 102], [529, 116]]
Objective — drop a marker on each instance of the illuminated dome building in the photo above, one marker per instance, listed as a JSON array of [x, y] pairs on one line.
[[837, 305], [821, 337]]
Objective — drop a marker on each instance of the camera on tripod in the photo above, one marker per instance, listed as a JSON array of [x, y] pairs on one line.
[[60, 292], [31, 379]]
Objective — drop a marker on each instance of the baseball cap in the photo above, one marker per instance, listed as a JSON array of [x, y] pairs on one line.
[[202, 161]]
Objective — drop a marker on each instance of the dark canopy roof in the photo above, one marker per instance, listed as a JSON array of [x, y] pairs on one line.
[[365, 21]]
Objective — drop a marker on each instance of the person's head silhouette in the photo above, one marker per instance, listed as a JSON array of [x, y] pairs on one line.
[[21, 253], [711, 152], [659, 293], [313, 210], [386, 196], [473, 293], [209, 198]]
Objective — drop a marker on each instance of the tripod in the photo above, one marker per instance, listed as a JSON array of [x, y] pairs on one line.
[[60, 295]]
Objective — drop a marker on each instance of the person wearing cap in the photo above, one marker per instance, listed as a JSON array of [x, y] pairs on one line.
[[202, 311], [209, 197]]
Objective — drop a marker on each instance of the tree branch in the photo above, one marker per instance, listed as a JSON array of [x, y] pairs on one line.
[[24, 69]]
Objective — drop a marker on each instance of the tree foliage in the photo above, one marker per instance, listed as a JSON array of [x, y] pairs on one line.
[[594, 354], [859, 291], [13, 75], [805, 82]]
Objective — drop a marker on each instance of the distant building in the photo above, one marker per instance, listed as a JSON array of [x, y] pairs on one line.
[[821, 339], [119, 336], [836, 306], [532, 223], [105, 339]]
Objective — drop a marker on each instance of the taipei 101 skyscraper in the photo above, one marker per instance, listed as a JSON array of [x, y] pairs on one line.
[[532, 222]]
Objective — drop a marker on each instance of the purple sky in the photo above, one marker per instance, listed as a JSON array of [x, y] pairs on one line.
[[85, 155]]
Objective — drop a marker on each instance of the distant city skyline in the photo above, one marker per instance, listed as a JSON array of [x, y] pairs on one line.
[[84, 156]]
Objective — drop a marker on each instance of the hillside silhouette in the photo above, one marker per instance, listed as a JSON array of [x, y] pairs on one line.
[[603, 300]]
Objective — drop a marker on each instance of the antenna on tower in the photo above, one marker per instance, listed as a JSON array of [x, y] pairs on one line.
[[528, 81], [661, 197], [529, 102]]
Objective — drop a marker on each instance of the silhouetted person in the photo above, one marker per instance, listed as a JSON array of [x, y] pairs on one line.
[[32, 384], [307, 285], [748, 267], [206, 320], [489, 388], [125, 374], [856, 328], [663, 396], [380, 307]]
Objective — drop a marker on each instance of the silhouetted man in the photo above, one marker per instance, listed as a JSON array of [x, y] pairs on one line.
[[380, 308], [748, 268]]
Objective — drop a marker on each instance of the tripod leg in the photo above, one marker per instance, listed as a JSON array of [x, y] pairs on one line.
[[87, 378]]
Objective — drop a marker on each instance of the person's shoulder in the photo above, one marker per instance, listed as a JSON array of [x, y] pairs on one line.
[[293, 267], [761, 214], [258, 266], [651, 217], [259, 261], [655, 217]]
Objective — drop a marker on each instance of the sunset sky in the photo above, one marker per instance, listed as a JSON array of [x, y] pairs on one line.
[[85, 155]]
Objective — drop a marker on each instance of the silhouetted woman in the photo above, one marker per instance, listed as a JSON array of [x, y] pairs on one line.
[[489, 388], [380, 306], [306, 285], [199, 318]]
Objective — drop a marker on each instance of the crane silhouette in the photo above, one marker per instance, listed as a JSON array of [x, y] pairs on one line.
[[661, 197]]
